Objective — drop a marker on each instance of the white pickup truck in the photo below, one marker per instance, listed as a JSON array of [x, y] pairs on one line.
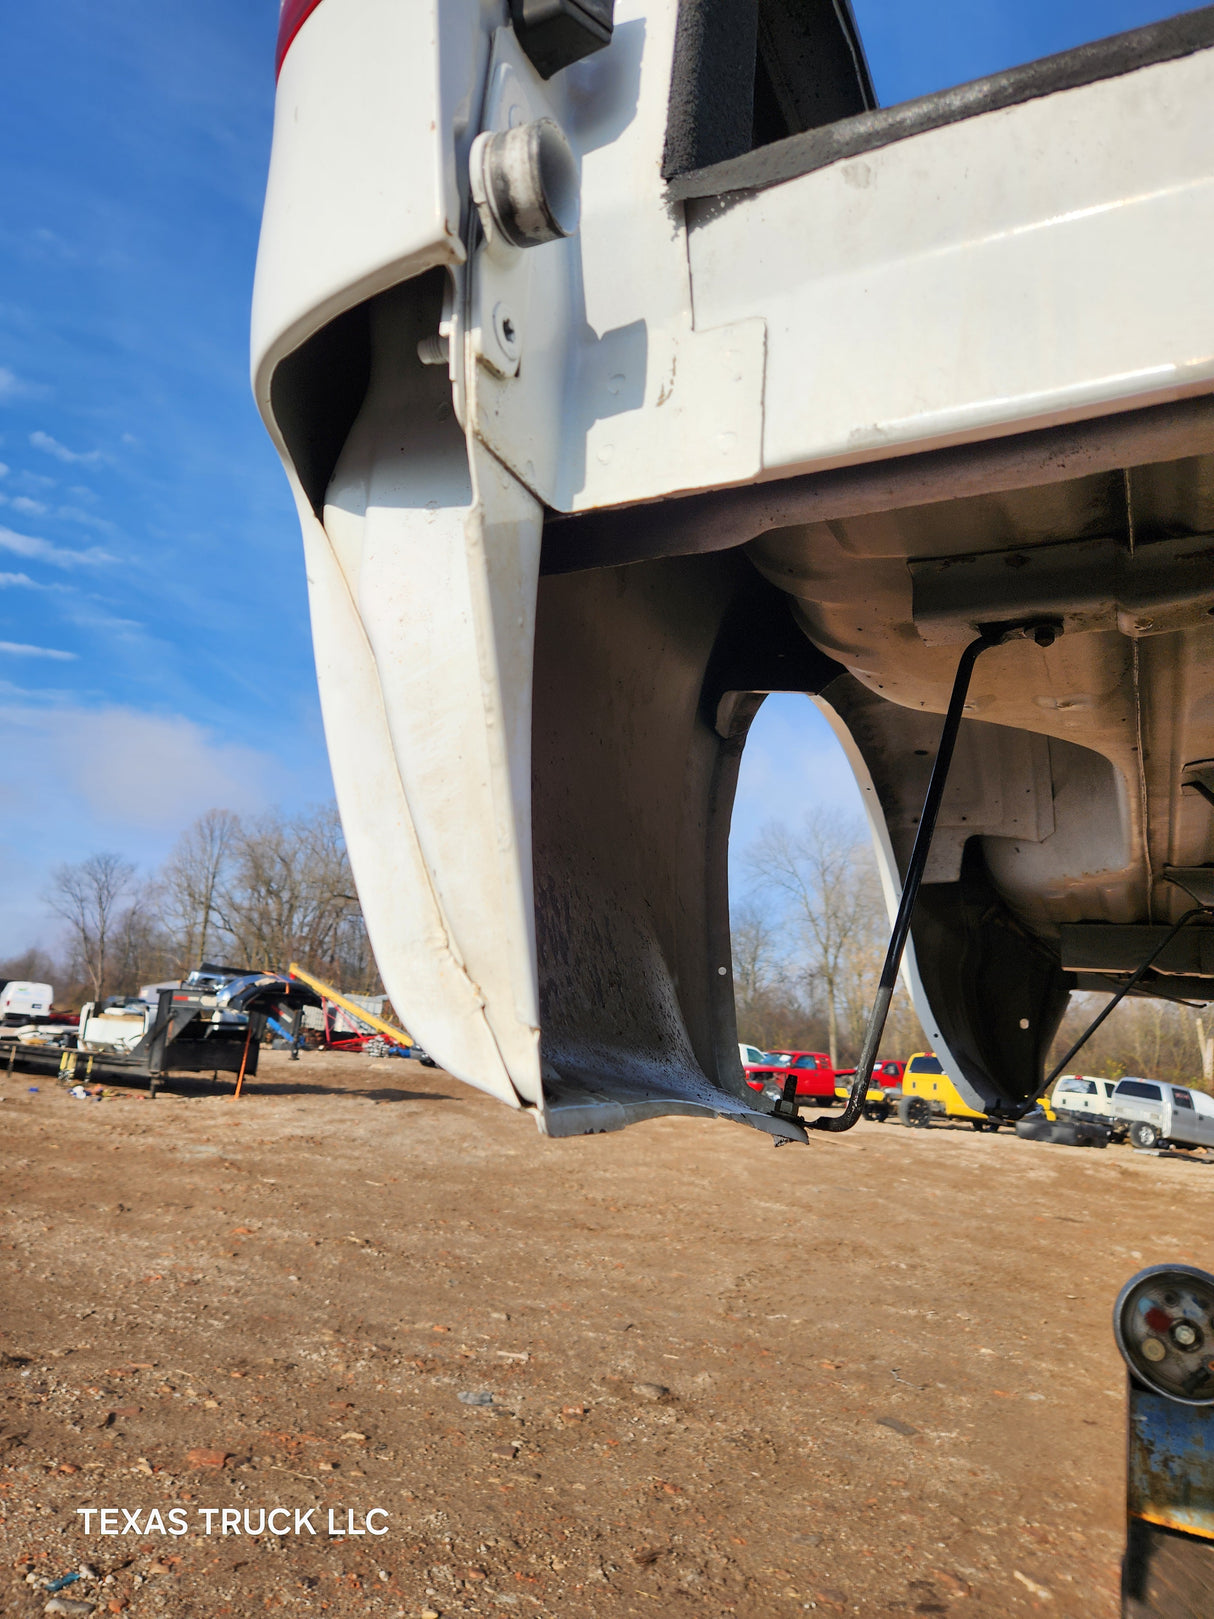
[[1088, 1094], [1159, 1114]]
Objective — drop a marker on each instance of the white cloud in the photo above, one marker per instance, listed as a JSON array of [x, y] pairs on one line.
[[11, 581], [122, 772], [91, 617], [52, 446], [19, 649], [4, 469], [31, 508], [78, 779], [14, 387], [28, 545], [73, 514]]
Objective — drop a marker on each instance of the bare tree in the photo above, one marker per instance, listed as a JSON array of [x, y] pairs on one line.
[[823, 874], [1205, 1043], [1153, 1038], [753, 943], [33, 965], [88, 896], [289, 894], [141, 951], [190, 884]]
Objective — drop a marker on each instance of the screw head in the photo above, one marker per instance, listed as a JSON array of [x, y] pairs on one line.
[[506, 332]]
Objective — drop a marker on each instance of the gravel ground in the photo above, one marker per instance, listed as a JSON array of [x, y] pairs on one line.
[[668, 1371]]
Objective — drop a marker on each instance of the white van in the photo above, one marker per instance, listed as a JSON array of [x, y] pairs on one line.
[[23, 1001], [1158, 1113], [1084, 1093]]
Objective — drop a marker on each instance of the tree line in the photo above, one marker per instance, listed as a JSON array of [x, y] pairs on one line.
[[247, 891], [809, 934]]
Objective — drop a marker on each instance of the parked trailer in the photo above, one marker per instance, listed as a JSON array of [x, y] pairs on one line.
[[210, 1023]]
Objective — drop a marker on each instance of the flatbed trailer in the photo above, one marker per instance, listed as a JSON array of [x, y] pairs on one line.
[[187, 1033]]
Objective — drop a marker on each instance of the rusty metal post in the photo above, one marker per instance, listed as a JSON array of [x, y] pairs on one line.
[[244, 1059]]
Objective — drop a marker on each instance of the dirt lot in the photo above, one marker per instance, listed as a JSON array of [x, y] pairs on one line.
[[872, 1376]]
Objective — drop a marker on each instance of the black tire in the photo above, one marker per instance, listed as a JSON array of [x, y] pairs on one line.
[[877, 1112], [914, 1111], [1144, 1136]]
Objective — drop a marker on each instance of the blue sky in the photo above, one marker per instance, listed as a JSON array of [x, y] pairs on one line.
[[154, 649]]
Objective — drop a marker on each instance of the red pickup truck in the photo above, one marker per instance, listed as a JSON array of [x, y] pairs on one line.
[[814, 1070], [886, 1074], [817, 1078]]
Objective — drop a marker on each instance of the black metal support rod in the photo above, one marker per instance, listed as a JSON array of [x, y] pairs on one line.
[[1198, 910], [910, 886]]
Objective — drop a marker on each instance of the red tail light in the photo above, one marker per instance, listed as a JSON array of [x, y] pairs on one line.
[[291, 18]]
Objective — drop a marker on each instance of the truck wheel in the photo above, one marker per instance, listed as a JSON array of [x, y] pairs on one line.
[[1144, 1135], [914, 1111]]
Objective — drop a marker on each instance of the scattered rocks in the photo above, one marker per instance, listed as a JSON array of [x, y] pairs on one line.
[[650, 1391], [200, 1457], [898, 1426], [954, 1586], [68, 1605], [1041, 1592]]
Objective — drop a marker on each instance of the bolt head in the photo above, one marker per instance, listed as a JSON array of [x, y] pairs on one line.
[[525, 183]]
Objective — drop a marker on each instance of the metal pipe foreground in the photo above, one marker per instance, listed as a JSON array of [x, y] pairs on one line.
[[1163, 1322]]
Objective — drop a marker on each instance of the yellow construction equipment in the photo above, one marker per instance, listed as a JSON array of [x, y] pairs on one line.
[[398, 1037]]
